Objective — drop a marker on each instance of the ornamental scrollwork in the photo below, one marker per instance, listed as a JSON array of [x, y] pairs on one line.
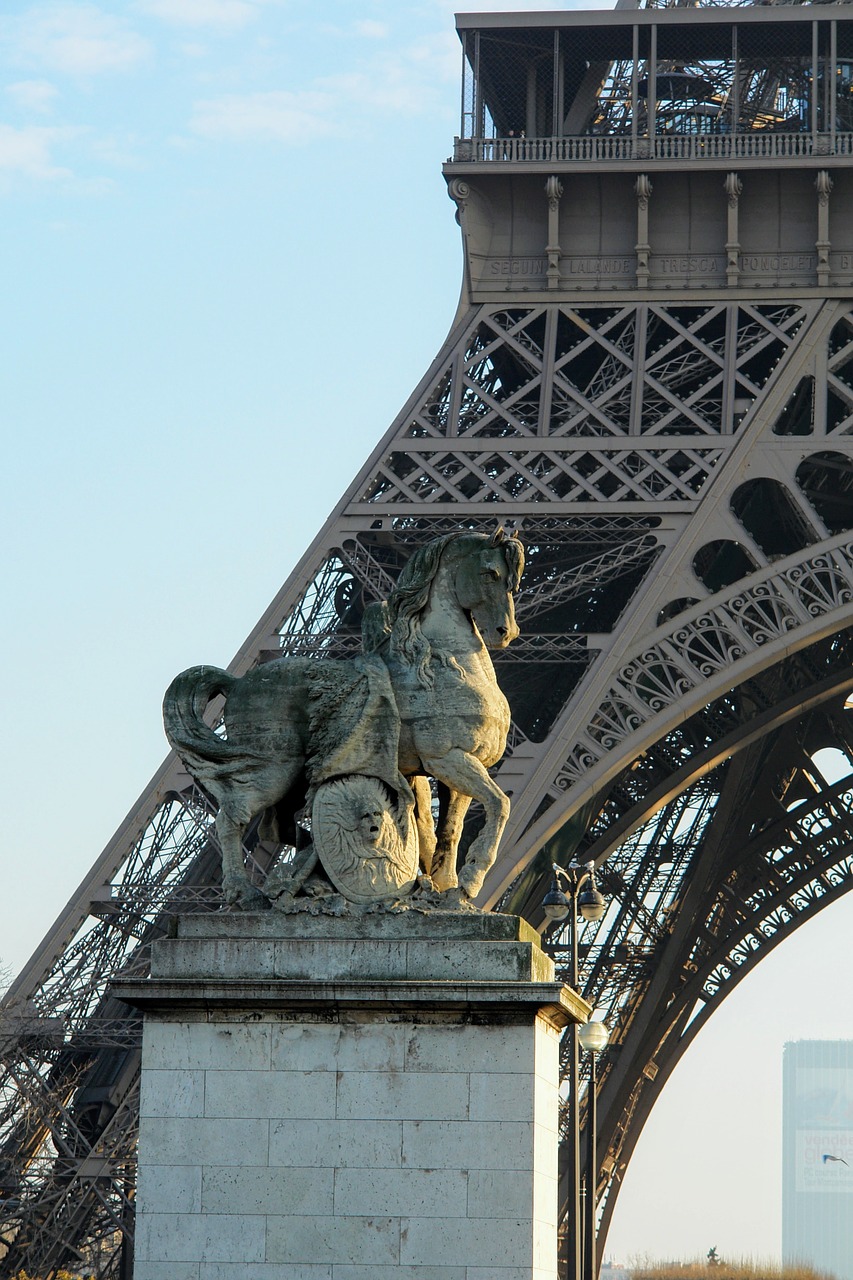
[[698, 648]]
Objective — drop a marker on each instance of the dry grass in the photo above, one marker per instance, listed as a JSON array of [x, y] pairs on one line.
[[60, 1275], [739, 1269]]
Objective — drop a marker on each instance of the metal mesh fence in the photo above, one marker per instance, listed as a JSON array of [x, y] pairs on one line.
[[785, 72]]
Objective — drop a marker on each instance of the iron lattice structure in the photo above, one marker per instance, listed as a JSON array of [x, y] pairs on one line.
[[668, 420]]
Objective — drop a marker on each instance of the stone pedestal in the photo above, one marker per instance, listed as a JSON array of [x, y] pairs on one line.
[[366, 1098]]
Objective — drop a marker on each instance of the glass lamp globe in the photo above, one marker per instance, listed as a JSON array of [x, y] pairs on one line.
[[591, 904], [593, 1036], [556, 905]]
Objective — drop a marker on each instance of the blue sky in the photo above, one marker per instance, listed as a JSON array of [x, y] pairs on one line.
[[227, 257]]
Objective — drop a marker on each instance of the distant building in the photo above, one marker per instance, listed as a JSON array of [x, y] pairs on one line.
[[817, 1155]]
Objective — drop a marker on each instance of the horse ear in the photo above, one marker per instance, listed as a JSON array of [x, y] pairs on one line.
[[497, 537]]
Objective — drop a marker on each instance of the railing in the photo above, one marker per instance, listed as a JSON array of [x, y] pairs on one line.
[[686, 146]]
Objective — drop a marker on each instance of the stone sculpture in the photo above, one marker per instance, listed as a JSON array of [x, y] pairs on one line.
[[354, 743]]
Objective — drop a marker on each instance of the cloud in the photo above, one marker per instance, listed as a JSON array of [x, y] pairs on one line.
[[121, 152], [438, 57], [450, 7], [32, 95], [27, 151], [406, 79], [200, 13], [372, 30], [77, 39], [382, 80], [278, 115], [393, 90]]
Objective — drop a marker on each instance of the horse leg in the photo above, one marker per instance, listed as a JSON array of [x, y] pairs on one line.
[[451, 816], [464, 774], [283, 883], [424, 822], [239, 891]]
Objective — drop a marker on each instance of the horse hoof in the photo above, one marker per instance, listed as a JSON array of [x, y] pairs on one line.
[[285, 903], [456, 899], [471, 881], [253, 900], [245, 897], [443, 880]]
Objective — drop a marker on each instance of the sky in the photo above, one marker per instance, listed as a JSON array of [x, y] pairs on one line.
[[227, 258]]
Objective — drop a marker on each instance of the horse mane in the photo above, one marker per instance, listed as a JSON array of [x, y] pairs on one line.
[[375, 626], [514, 555], [398, 617], [407, 601]]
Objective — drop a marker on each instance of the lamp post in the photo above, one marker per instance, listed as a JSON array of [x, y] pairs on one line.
[[593, 1037], [589, 904]]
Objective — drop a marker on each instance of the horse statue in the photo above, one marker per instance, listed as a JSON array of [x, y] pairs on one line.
[[421, 701]]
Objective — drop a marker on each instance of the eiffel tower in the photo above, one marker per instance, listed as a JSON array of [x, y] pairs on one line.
[[650, 376]]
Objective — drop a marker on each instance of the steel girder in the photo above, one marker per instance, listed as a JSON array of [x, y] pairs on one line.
[[680, 468], [634, 685], [709, 881]]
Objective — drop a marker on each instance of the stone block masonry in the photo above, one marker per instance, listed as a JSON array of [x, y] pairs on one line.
[[377, 1099]]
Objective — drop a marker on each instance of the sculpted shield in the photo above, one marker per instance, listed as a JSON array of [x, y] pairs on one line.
[[368, 846]]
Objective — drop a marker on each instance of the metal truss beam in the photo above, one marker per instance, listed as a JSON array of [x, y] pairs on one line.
[[709, 883]]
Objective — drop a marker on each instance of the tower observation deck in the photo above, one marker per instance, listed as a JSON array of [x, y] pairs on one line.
[[649, 122], [650, 376]]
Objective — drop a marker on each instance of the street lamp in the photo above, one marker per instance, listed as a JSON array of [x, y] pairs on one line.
[[593, 1037], [585, 901]]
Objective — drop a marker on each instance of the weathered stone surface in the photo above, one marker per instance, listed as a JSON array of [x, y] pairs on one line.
[[196, 1237], [464, 926], [545, 1193], [361, 1096], [271, 1094], [238, 957], [330, 961], [424, 1192], [468, 947], [271, 1271], [336, 1046], [169, 1188], [194, 1046], [267, 1190], [509, 1096], [504, 1002], [340, 1239], [499, 1193], [447, 1046], [336, 1144], [358, 1272], [172, 1093], [166, 1270], [468, 1144], [323, 1129], [209, 1141], [507, 1273], [480, 1242]]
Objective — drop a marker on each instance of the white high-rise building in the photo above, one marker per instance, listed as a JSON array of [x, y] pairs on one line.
[[817, 1155]]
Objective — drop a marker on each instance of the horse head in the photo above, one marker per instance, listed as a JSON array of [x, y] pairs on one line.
[[486, 578]]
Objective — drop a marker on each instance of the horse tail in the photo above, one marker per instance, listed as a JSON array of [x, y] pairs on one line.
[[183, 711]]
